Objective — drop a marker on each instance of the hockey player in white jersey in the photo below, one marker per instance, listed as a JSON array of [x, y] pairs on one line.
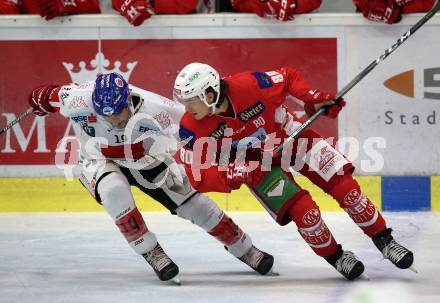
[[127, 138]]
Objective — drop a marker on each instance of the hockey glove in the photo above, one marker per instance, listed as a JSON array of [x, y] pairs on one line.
[[238, 174], [39, 100], [284, 9], [50, 9], [135, 11], [278, 9], [386, 11], [9, 7], [319, 99], [287, 120]]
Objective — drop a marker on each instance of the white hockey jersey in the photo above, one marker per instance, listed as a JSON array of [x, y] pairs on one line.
[[155, 123]]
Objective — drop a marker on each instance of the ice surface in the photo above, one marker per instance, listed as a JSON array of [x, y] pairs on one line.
[[77, 257]]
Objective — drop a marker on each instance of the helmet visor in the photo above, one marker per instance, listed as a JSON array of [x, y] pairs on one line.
[[177, 96]]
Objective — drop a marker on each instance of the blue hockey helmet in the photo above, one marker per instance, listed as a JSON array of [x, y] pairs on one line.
[[110, 95]]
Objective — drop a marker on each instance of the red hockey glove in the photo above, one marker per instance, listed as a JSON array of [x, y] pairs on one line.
[[279, 9], [238, 174], [386, 11], [39, 100], [9, 7], [50, 9], [332, 112], [319, 99], [135, 11], [283, 9]]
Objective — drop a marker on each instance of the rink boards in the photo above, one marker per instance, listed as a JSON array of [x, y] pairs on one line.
[[418, 193], [405, 117]]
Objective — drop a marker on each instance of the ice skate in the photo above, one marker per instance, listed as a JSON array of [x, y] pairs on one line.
[[163, 266], [393, 251], [346, 263], [258, 260]]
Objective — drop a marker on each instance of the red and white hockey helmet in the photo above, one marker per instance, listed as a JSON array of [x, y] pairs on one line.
[[193, 81]]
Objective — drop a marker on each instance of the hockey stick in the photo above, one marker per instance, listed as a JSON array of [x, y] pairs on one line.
[[361, 75], [10, 125]]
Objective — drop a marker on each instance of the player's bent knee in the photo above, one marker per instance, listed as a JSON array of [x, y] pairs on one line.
[[305, 211], [115, 194], [347, 191], [201, 211]]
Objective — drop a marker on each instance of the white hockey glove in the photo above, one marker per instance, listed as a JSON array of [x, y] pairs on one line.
[[286, 119]]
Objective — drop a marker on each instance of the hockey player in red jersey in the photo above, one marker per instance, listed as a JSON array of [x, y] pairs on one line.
[[390, 11], [231, 124], [127, 138], [137, 11], [283, 10]]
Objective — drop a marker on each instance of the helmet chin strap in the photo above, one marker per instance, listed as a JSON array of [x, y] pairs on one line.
[[210, 105], [131, 107], [212, 110]]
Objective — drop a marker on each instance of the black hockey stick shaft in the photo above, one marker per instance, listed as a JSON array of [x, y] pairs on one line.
[[362, 74], [19, 118]]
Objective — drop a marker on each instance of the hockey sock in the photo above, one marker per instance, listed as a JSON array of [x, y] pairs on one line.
[[305, 213], [360, 209]]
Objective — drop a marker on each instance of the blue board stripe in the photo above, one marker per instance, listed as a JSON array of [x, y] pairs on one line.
[[404, 193]]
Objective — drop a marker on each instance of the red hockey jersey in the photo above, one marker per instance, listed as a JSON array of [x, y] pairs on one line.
[[254, 97]]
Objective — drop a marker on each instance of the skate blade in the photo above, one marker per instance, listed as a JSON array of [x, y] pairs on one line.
[[412, 268], [272, 273], [174, 281], [364, 276]]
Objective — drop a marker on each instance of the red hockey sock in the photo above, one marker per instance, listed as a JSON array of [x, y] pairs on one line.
[[360, 209], [305, 213]]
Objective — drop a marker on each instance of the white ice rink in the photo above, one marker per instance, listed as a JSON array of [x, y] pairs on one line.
[[73, 257]]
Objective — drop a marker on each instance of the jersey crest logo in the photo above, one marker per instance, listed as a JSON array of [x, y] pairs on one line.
[[251, 112], [163, 118], [263, 80]]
